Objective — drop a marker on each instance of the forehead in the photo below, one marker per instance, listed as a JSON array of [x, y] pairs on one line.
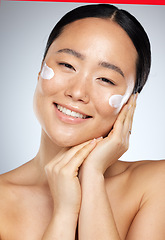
[[97, 28]]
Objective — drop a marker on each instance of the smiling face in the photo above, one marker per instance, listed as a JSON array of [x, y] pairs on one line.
[[92, 60]]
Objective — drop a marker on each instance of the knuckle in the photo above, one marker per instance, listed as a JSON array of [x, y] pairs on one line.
[[64, 172], [118, 142], [82, 152], [52, 170], [56, 169], [47, 169], [121, 144], [77, 154]]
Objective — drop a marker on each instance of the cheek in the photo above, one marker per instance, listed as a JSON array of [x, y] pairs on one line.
[[107, 104], [107, 118], [49, 81], [106, 113]]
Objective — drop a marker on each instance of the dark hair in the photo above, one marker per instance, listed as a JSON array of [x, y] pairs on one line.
[[123, 18]]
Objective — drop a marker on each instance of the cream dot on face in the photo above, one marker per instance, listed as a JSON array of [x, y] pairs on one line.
[[115, 101], [47, 72]]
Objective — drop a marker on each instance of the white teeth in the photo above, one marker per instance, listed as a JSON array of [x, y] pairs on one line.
[[70, 113]]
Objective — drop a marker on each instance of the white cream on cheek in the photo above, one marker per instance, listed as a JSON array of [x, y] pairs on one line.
[[117, 101], [47, 72]]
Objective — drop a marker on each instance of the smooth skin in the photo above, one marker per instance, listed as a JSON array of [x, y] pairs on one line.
[[76, 181]]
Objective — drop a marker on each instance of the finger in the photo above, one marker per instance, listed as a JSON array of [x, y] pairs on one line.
[[55, 160], [79, 157], [69, 155], [129, 119], [119, 123], [64, 156], [123, 123]]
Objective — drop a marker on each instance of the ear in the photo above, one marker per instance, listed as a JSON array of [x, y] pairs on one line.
[[40, 70], [39, 75]]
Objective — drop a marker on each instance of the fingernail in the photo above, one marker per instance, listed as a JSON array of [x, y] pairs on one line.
[[99, 138], [93, 141]]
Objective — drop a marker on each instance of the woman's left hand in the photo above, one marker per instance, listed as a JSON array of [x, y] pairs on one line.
[[112, 147]]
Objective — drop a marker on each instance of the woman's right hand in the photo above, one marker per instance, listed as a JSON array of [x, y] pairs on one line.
[[62, 175]]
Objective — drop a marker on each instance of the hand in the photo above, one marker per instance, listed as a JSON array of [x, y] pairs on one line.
[[62, 174], [111, 148]]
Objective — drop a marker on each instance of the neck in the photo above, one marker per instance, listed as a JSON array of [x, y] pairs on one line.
[[47, 152]]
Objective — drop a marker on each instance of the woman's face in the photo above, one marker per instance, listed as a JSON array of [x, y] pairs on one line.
[[92, 60]]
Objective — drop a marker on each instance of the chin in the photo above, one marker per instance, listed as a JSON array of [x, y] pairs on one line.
[[71, 141], [63, 138]]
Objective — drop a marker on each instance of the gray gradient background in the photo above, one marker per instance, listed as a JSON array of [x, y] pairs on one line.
[[24, 29]]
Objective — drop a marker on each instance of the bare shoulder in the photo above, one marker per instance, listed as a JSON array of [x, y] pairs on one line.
[[4, 187], [137, 195], [16, 181], [138, 179], [21, 176], [147, 180], [21, 197], [141, 186], [147, 164], [6, 197], [148, 172], [8, 181], [147, 177], [12, 187]]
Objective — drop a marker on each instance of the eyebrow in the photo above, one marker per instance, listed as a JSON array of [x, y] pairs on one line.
[[112, 66], [72, 52], [82, 57]]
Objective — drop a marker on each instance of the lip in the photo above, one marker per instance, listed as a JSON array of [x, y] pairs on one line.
[[69, 119]]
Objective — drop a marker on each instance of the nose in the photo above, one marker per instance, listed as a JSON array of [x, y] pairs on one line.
[[77, 89]]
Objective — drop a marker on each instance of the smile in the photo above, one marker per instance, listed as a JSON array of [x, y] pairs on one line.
[[68, 112]]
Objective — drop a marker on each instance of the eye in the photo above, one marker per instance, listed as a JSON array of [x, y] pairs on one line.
[[67, 65], [107, 81]]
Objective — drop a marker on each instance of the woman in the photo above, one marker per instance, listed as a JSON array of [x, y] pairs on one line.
[[97, 60]]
